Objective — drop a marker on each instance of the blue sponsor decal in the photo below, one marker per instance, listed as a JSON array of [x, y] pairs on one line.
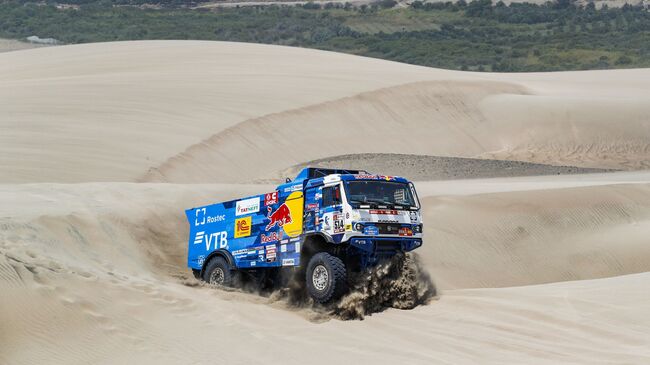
[[371, 231]]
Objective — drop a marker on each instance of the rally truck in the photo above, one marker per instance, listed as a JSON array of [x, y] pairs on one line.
[[323, 225]]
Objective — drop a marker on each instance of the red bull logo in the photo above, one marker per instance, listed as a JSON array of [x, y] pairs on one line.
[[272, 237], [280, 217]]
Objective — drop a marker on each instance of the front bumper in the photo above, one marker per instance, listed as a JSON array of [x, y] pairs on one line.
[[385, 246]]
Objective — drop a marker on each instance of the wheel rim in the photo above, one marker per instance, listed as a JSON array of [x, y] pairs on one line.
[[320, 277], [217, 276]]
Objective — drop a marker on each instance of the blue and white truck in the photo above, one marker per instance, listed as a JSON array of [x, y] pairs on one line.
[[325, 224]]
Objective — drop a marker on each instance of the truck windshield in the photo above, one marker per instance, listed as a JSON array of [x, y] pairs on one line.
[[378, 192]]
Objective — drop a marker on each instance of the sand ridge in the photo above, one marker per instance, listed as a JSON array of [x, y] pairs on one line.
[[205, 105]]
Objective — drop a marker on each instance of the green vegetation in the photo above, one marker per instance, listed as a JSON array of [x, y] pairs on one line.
[[470, 36]]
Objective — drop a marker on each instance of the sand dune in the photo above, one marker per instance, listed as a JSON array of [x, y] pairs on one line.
[[104, 145], [451, 118], [205, 109]]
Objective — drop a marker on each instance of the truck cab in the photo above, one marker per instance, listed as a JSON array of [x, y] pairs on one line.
[[324, 224], [373, 216]]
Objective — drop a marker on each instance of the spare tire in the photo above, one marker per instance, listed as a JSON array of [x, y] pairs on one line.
[[326, 278]]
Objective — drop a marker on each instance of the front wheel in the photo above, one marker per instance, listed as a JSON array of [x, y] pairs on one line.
[[326, 278], [218, 272]]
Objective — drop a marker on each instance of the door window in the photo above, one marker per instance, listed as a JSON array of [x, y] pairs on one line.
[[332, 196]]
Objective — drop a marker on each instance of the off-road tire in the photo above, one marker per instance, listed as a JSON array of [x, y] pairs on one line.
[[333, 284], [218, 272]]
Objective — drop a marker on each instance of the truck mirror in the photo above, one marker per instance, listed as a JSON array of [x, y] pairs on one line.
[[287, 180]]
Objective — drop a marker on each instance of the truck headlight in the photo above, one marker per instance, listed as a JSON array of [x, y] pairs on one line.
[[358, 227], [417, 228]]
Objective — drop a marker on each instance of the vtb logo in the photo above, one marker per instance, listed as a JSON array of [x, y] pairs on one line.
[[243, 227]]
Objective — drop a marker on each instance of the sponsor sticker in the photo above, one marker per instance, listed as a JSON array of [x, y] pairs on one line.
[[384, 212], [271, 253], [217, 218], [200, 216], [288, 262], [371, 231], [413, 216], [280, 217], [244, 252], [216, 239], [199, 237], [365, 176], [247, 206], [271, 237], [271, 198], [243, 227], [338, 223], [296, 187], [387, 178]]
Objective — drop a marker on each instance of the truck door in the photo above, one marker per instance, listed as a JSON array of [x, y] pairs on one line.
[[312, 208], [331, 212]]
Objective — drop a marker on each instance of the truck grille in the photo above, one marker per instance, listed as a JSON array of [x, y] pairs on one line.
[[388, 228], [391, 247]]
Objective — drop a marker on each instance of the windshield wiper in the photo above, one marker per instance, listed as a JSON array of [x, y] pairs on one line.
[[357, 201], [381, 201]]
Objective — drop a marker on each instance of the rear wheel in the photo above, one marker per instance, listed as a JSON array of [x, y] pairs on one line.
[[218, 272], [326, 278]]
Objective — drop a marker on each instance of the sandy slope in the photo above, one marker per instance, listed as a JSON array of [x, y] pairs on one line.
[[208, 111], [101, 278], [94, 272]]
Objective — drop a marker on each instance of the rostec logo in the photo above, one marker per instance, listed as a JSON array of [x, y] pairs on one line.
[[200, 217], [247, 206], [220, 239], [217, 218], [243, 227], [271, 198], [281, 216]]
